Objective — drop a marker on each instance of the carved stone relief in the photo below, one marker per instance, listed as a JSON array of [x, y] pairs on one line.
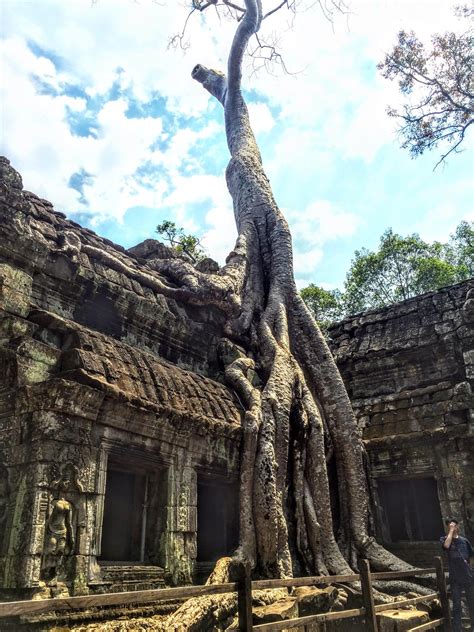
[[61, 523]]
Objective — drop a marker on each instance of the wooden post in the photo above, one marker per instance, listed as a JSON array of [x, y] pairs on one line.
[[244, 596], [368, 596], [443, 593]]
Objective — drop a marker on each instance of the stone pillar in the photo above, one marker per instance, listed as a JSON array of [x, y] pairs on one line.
[[180, 536], [22, 548], [51, 525]]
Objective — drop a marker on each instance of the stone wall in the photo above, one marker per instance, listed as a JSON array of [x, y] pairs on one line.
[[409, 370], [98, 368]]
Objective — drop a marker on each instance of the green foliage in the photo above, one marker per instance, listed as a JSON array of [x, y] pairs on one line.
[[327, 305], [461, 249], [187, 245], [438, 86], [400, 268]]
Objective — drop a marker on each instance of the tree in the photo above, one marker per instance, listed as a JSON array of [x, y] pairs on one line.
[[438, 84], [326, 305], [298, 414], [403, 267], [187, 245], [460, 250], [298, 424]]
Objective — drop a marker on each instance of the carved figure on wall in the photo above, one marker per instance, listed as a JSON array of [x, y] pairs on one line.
[[66, 479], [59, 540], [59, 528]]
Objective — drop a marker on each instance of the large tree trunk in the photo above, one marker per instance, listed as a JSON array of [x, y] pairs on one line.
[[301, 417], [298, 420]]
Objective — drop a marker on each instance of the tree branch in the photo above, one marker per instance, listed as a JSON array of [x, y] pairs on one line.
[[249, 25], [454, 148]]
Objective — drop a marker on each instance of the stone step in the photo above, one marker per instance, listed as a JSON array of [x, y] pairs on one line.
[[120, 578]]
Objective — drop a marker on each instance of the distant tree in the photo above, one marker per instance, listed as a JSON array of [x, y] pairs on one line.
[[461, 249], [326, 305], [439, 87], [403, 267], [183, 244], [400, 268]]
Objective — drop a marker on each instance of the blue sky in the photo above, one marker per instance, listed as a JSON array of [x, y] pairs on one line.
[[104, 120]]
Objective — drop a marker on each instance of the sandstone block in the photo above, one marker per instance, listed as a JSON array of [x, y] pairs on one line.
[[400, 620], [182, 518], [278, 611], [313, 600], [15, 290]]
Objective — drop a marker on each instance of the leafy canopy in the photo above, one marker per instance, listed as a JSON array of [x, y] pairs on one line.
[[400, 268], [327, 305], [187, 245], [438, 85]]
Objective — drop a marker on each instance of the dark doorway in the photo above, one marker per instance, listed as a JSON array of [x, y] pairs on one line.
[[411, 509], [123, 515], [218, 522]]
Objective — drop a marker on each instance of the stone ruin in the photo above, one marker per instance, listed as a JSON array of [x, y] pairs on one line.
[[409, 371], [119, 440]]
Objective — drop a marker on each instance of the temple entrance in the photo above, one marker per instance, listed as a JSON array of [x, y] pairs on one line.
[[124, 523], [411, 509], [217, 521]]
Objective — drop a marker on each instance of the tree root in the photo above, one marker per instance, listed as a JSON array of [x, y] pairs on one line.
[[397, 587], [216, 612], [176, 278]]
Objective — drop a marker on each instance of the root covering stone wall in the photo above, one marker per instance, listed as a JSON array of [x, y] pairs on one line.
[[102, 372]]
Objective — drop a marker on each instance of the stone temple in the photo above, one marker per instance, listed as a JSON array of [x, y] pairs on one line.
[[119, 439]]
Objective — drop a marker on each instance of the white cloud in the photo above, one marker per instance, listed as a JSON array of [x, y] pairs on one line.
[[321, 222], [220, 233], [306, 262], [261, 117], [334, 108], [177, 154], [94, 40], [314, 227], [39, 141], [441, 221], [220, 238], [47, 152]]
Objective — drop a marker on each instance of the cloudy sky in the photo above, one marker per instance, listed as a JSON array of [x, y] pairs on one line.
[[104, 120]]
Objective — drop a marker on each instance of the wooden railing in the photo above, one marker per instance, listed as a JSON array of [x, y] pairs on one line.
[[244, 587]]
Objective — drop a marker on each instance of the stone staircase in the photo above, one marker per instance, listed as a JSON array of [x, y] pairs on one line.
[[123, 577]]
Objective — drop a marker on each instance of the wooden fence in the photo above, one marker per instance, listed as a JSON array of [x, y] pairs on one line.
[[244, 587]]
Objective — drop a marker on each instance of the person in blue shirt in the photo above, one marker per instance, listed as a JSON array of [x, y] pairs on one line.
[[461, 576]]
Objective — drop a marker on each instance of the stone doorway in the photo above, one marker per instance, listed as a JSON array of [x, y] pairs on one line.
[[411, 509], [124, 522], [217, 522]]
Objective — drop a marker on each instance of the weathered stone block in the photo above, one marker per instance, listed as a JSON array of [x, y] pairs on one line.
[[313, 600], [469, 362], [278, 611], [35, 362], [181, 518], [400, 620], [15, 290], [12, 326]]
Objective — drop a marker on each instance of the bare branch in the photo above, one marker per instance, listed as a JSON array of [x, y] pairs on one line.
[[277, 8], [178, 39], [269, 55], [454, 148]]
